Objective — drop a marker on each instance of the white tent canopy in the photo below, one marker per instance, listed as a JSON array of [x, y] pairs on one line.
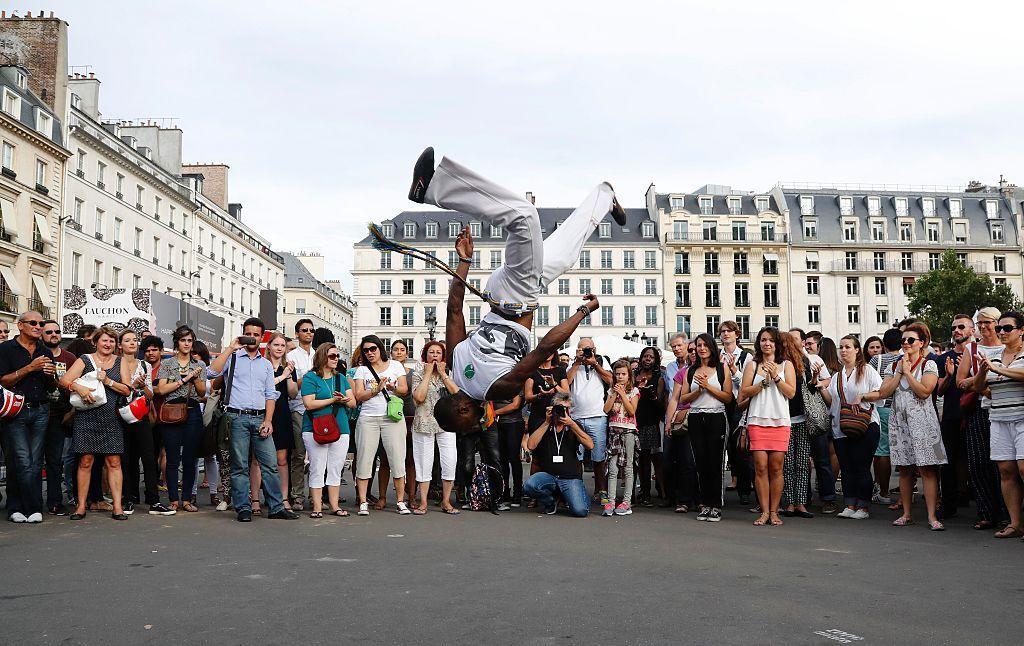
[[615, 347]]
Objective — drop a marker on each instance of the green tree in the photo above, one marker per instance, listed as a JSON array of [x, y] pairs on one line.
[[953, 288]]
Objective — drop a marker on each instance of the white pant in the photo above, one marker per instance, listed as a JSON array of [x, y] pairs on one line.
[[423, 455], [212, 474], [325, 458], [530, 261]]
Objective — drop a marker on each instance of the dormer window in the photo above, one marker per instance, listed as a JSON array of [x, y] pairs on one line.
[[991, 209], [762, 203], [12, 104], [960, 232], [806, 205], [901, 207], [906, 231], [647, 229], [409, 230], [810, 229], [388, 230], [849, 231], [44, 123], [605, 230], [928, 207], [22, 80], [956, 209], [706, 206], [878, 231], [453, 229], [874, 206], [431, 230], [997, 232], [496, 231], [675, 203], [734, 205], [845, 205]]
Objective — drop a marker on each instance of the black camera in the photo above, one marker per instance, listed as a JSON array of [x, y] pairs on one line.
[[588, 353], [557, 412], [248, 340]]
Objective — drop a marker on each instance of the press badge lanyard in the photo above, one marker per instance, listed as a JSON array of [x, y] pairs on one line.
[[557, 457]]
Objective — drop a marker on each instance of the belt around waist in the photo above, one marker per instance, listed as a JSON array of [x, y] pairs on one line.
[[247, 411], [36, 404]]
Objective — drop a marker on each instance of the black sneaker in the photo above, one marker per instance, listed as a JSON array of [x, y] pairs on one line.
[[128, 507], [422, 173], [160, 509], [551, 510], [714, 516], [703, 513], [58, 510], [618, 213], [284, 514], [245, 516]]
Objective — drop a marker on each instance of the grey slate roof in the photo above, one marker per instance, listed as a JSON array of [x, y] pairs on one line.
[[29, 103], [827, 213], [549, 217], [297, 276], [720, 203]]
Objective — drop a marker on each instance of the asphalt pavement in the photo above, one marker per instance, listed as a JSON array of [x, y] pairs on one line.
[[655, 577]]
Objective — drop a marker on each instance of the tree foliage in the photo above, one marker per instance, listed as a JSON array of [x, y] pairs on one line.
[[955, 288]]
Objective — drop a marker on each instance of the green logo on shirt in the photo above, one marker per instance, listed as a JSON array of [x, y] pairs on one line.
[[469, 371]]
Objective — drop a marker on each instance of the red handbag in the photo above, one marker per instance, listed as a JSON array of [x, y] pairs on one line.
[[325, 427]]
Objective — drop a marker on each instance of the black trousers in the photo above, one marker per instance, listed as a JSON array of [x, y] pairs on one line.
[[510, 438], [707, 436], [683, 475], [53, 453], [139, 446], [948, 480], [487, 442]]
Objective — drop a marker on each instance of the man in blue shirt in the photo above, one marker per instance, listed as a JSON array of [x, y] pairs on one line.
[[249, 397]]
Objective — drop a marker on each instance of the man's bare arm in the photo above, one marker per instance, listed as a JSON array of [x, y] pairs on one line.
[[455, 320]]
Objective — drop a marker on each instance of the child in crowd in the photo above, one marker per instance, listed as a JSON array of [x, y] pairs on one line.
[[622, 436]]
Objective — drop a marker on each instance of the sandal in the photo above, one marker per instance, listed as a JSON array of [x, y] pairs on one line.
[[1009, 532], [451, 511], [936, 526], [682, 509], [761, 520], [121, 516], [364, 509], [896, 506], [902, 521], [984, 524], [188, 506], [77, 516], [775, 520], [339, 512], [316, 514], [419, 511]]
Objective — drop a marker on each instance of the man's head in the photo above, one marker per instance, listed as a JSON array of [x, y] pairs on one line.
[[798, 334], [253, 327], [812, 342], [679, 345], [51, 334], [910, 320], [962, 329], [564, 359], [5, 331], [151, 349], [560, 403], [30, 325], [728, 331], [304, 329], [582, 347], [86, 331], [892, 339], [458, 413]]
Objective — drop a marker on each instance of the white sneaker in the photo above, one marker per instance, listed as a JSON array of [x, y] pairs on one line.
[[222, 505], [879, 499], [845, 513], [17, 517], [860, 514], [35, 518]]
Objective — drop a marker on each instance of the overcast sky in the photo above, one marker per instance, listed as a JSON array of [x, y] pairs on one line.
[[320, 109]]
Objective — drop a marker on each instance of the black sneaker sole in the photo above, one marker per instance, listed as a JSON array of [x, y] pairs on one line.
[[422, 173], [618, 213]]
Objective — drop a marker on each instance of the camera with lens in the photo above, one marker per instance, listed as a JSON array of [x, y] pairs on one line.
[[557, 412], [248, 340], [588, 353]]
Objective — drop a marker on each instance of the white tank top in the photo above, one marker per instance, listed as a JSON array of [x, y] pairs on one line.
[[706, 402], [488, 353], [769, 407]]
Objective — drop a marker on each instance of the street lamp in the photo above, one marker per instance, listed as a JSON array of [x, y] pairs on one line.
[[636, 337], [625, 336], [431, 322], [643, 338]]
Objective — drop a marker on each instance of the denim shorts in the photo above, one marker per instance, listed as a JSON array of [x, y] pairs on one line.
[[597, 429], [883, 437]]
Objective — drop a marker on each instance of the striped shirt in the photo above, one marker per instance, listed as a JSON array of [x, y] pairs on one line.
[[881, 363], [1007, 394]]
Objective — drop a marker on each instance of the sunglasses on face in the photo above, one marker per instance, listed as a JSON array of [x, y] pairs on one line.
[[334, 357], [1006, 329], [910, 340], [307, 330], [33, 323], [958, 327], [371, 348], [44, 331]]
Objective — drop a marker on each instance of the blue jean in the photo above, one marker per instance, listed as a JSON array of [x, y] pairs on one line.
[[245, 436], [597, 429], [54, 450], [823, 467], [23, 447], [541, 487], [182, 443], [855, 457]]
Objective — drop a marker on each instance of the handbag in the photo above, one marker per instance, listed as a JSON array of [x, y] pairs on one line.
[[12, 403], [853, 419], [135, 409], [325, 427], [969, 399], [90, 381], [819, 421], [173, 412], [396, 407]]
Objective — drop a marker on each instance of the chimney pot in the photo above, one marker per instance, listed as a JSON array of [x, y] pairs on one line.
[[530, 197]]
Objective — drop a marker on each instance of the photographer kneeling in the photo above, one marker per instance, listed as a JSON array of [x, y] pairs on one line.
[[555, 444]]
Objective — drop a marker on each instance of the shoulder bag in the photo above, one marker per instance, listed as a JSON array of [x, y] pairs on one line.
[[325, 427], [173, 411], [396, 407], [853, 418], [89, 380], [819, 421]]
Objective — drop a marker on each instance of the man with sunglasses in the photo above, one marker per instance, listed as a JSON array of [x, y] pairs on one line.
[[962, 336], [302, 358], [27, 369], [57, 444]]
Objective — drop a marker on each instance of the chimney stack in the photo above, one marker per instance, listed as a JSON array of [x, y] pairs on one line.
[[530, 197]]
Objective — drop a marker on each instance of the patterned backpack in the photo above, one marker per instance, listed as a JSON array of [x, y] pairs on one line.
[[481, 497]]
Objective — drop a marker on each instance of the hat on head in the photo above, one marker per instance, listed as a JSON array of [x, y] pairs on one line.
[[990, 313]]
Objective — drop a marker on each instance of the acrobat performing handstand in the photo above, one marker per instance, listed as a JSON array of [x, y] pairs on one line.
[[494, 360]]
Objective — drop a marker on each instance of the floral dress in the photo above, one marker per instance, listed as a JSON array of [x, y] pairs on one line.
[[423, 421], [915, 437]]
